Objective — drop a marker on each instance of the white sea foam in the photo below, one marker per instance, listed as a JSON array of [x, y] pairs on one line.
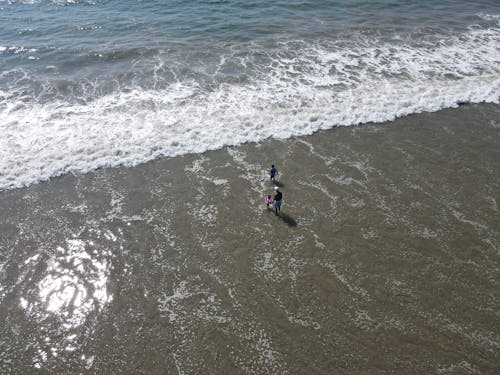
[[302, 89], [489, 17]]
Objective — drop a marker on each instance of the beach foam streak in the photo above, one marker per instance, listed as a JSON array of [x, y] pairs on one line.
[[244, 93]]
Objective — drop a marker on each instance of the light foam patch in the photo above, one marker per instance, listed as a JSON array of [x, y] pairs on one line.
[[295, 89]]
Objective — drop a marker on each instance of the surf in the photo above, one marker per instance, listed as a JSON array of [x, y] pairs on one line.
[[160, 107]]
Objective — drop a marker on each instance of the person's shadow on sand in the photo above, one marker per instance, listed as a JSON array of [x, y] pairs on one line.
[[278, 184], [290, 221]]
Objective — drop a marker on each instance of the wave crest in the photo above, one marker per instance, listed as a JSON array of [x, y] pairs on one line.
[[243, 96]]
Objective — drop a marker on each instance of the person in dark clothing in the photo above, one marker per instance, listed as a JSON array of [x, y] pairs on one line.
[[277, 200], [273, 172]]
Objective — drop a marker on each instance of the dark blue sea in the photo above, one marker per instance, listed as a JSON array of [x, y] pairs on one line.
[[88, 84]]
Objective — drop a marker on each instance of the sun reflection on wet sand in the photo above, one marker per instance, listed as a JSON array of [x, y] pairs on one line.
[[71, 290], [75, 283]]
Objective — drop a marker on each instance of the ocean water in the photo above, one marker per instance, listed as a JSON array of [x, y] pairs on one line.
[[385, 258], [90, 84]]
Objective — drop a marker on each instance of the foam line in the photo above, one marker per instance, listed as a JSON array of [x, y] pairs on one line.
[[294, 90]]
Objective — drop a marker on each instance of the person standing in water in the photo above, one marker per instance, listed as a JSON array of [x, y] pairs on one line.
[[268, 200], [277, 200], [273, 172]]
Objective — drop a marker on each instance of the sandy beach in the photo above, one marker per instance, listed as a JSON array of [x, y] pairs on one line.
[[385, 258]]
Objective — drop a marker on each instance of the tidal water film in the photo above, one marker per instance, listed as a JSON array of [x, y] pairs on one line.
[[136, 139]]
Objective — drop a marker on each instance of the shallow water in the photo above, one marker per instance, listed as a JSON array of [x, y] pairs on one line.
[[91, 84], [385, 258]]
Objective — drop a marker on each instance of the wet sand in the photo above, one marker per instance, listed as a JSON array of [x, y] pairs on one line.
[[385, 258]]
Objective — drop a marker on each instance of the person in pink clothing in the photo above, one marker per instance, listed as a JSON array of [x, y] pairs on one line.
[[268, 200]]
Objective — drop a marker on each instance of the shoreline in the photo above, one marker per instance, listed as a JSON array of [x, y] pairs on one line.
[[385, 257]]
